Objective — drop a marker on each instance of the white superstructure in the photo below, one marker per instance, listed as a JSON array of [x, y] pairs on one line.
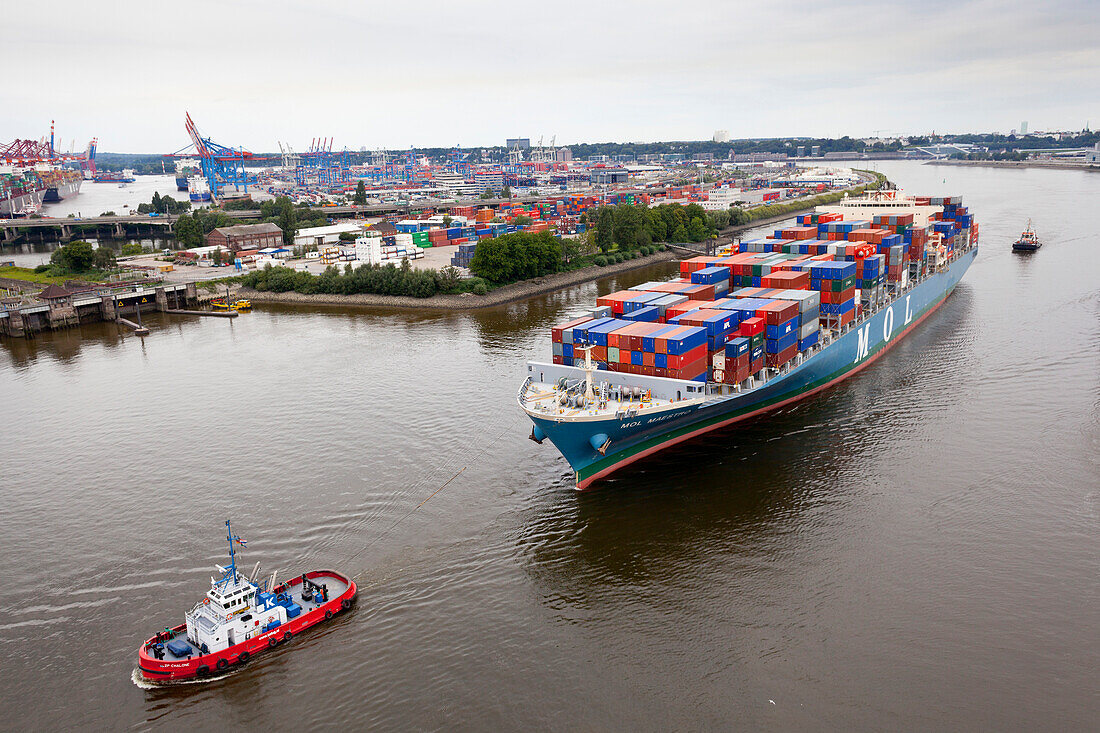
[[233, 611]]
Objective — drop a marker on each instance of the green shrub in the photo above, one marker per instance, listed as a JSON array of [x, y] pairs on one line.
[[41, 268], [601, 261], [480, 288], [377, 279]]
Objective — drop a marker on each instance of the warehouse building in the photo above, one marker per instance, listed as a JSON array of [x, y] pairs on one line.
[[609, 176], [320, 236], [245, 236]]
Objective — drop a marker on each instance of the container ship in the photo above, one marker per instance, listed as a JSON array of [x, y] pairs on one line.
[[198, 190], [185, 168], [24, 189], [60, 183], [123, 176], [21, 192], [737, 335]]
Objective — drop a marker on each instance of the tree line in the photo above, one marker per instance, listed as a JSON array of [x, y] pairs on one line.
[[629, 226], [163, 205]]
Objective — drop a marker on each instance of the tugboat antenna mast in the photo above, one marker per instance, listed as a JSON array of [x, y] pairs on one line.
[[231, 571]]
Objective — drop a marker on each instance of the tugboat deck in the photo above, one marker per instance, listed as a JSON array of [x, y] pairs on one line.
[[178, 646]]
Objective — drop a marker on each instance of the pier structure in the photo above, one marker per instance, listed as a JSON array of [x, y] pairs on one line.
[[59, 308]]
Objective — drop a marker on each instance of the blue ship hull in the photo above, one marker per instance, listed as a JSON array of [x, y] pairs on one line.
[[634, 438]]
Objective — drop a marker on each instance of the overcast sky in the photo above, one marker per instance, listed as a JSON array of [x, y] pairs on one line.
[[442, 72]]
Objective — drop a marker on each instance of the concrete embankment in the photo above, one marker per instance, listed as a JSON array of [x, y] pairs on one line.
[[466, 301]]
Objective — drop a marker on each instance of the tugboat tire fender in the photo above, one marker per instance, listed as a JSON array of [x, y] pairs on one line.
[[287, 636], [222, 664], [272, 641], [243, 657], [328, 614], [345, 604], [202, 671]]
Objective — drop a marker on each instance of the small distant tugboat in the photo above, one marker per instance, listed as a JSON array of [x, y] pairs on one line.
[[220, 304], [1028, 241], [239, 618]]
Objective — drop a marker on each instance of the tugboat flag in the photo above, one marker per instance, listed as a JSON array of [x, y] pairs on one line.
[[241, 542]]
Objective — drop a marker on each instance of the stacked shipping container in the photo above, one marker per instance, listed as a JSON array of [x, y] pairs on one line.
[[763, 305]]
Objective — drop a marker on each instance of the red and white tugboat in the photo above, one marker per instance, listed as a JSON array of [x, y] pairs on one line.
[[239, 618]]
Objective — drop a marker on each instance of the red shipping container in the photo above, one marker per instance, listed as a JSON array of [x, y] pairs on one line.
[[756, 366], [699, 292], [751, 326], [681, 308], [690, 370], [695, 263], [615, 300], [828, 296], [737, 374], [699, 353], [774, 360], [779, 311], [615, 338], [797, 233], [788, 280]]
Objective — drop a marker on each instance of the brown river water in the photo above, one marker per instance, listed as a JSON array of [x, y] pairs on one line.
[[916, 548]]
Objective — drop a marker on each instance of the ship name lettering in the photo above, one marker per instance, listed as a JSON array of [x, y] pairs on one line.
[[664, 417], [908, 311], [864, 345], [888, 324]]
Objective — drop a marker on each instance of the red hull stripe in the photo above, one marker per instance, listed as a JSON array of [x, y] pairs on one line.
[[585, 483]]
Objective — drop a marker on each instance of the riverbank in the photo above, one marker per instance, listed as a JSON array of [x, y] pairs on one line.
[[1019, 164], [464, 301]]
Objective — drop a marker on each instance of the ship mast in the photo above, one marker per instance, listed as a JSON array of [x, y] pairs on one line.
[[232, 551], [589, 367], [231, 571]]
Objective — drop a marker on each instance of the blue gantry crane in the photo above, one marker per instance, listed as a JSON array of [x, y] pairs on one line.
[[319, 166], [221, 166]]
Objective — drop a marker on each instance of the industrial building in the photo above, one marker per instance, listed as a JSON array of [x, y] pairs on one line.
[[245, 236], [489, 180], [608, 176], [320, 236]]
